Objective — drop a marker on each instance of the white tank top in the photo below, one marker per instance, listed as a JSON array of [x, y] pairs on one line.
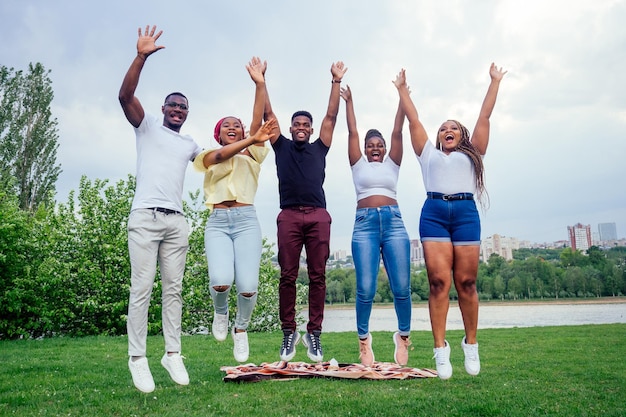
[[375, 178]]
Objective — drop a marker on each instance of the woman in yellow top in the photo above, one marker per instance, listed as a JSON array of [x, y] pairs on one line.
[[232, 236]]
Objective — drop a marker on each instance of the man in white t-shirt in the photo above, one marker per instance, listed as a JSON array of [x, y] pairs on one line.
[[157, 229]]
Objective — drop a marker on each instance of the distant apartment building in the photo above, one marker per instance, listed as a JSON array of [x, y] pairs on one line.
[[417, 252], [595, 238], [579, 236], [607, 232], [340, 255], [500, 245]]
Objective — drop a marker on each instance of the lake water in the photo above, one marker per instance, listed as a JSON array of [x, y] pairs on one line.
[[489, 316]]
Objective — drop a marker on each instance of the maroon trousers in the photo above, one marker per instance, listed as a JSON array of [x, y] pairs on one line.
[[298, 227]]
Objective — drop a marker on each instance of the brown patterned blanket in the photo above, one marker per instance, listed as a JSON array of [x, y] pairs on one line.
[[292, 370]]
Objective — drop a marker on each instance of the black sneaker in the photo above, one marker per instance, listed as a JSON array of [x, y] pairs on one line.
[[314, 346], [288, 349]]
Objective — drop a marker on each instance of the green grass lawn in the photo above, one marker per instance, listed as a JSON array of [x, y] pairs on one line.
[[540, 371]]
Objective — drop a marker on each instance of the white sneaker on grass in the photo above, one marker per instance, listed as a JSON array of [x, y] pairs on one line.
[[176, 368], [220, 326], [241, 349], [142, 377], [472, 360], [442, 361]]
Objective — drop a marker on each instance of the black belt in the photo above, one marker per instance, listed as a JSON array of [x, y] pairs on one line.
[[165, 210], [450, 197]]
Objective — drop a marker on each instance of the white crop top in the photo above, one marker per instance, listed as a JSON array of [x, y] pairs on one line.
[[375, 178], [447, 174]]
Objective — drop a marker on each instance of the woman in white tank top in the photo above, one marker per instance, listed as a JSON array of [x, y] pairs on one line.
[[449, 222], [378, 230]]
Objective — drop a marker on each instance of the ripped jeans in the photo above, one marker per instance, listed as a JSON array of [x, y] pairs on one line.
[[233, 245]]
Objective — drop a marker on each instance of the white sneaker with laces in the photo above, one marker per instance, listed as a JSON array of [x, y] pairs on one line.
[[176, 368], [472, 360], [241, 349], [142, 377], [220, 326], [442, 361]]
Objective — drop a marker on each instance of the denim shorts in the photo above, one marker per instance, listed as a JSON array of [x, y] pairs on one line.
[[454, 221]]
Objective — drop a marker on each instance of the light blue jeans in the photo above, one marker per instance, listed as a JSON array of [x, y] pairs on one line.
[[380, 230], [233, 245]]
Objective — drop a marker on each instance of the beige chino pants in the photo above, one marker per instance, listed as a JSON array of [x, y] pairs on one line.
[[164, 238]]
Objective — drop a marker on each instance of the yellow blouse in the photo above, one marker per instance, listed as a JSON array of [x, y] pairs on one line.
[[234, 179]]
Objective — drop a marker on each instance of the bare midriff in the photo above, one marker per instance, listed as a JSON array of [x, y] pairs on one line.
[[230, 204], [376, 201]]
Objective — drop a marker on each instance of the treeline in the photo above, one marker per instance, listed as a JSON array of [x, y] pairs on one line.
[[532, 274]]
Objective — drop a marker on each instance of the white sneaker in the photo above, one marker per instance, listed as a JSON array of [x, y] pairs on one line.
[[142, 377], [241, 350], [175, 366], [472, 361], [220, 326], [442, 361]]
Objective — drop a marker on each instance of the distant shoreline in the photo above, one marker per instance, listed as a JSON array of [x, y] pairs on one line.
[[545, 301]]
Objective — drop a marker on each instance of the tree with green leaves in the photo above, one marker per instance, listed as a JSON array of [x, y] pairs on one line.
[[28, 136], [19, 257]]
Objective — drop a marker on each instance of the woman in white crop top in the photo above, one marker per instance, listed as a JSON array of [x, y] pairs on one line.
[[232, 237], [449, 222], [378, 229]]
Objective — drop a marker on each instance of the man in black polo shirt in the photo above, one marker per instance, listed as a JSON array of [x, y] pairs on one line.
[[303, 219]]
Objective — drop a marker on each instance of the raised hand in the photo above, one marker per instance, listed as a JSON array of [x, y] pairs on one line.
[[338, 70], [266, 131], [346, 93], [400, 79], [256, 69], [496, 73], [146, 44]]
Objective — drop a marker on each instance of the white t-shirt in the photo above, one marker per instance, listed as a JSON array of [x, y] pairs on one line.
[[162, 158], [447, 174], [375, 178]]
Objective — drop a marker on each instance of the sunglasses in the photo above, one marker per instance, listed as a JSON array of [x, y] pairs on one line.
[[181, 106]]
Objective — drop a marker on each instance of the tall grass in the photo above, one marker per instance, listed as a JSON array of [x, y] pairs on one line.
[[541, 371]]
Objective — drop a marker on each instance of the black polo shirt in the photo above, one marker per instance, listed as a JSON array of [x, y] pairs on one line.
[[300, 168]]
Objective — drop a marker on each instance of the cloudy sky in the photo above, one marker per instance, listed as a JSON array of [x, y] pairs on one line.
[[558, 141]]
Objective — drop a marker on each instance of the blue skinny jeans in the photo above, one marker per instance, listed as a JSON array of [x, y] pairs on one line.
[[380, 230]]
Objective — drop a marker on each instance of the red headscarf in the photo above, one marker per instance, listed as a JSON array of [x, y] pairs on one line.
[[218, 127]]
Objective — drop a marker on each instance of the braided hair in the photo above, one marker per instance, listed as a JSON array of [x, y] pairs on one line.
[[466, 147]]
